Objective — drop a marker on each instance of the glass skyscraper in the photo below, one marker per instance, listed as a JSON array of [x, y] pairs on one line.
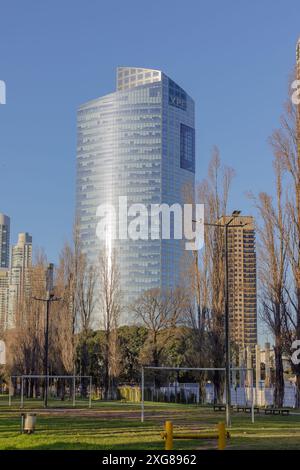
[[137, 142]]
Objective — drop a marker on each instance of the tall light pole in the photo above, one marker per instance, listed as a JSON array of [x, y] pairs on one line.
[[227, 325], [49, 298]]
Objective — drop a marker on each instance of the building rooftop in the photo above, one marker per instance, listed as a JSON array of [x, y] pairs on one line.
[[130, 77], [4, 219]]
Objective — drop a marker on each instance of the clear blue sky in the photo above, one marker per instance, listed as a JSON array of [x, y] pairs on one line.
[[232, 56]]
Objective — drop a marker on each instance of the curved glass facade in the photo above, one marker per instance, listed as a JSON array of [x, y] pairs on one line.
[[137, 142]]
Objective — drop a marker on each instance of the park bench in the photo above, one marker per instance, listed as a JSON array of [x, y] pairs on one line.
[[247, 409], [219, 408], [277, 411], [242, 408]]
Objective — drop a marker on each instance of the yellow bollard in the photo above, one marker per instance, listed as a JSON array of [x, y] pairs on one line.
[[222, 436], [169, 435]]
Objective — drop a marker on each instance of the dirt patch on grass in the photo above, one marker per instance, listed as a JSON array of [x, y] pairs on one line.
[[194, 421]]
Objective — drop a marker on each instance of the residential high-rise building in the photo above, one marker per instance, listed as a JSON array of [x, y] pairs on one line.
[[298, 58], [4, 240], [298, 88], [4, 277], [19, 282], [242, 281], [137, 142], [4, 264]]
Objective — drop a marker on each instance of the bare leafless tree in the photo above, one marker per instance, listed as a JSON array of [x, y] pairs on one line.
[[213, 192], [64, 314], [195, 283], [25, 342], [75, 286], [286, 146], [110, 305], [272, 249], [160, 312], [205, 275]]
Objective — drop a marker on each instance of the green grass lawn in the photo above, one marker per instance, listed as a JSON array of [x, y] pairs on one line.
[[117, 426]]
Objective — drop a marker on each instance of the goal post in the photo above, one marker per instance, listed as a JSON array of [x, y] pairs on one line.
[[69, 383], [195, 369]]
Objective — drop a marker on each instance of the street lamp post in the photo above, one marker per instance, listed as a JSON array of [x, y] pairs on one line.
[[227, 332], [49, 298]]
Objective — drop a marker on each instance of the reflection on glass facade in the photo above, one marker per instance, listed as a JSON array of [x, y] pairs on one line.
[[137, 142]]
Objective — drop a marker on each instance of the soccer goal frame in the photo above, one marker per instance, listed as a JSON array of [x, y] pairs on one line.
[[195, 369], [72, 378]]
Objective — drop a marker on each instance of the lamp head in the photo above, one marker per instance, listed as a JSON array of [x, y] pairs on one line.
[[236, 213]]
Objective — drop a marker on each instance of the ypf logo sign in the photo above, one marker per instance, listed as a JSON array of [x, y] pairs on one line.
[[2, 92]]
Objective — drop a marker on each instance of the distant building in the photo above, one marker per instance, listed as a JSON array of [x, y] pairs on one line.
[[298, 58], [4, 240], [286, 360], [4, 265], [21, 262], [4, 278], [242, 282]]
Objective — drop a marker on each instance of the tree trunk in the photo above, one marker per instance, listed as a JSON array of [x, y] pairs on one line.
[[85, 364], [202, 388], [106, 367], [297, 368], [218, 382], [279, 378]]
